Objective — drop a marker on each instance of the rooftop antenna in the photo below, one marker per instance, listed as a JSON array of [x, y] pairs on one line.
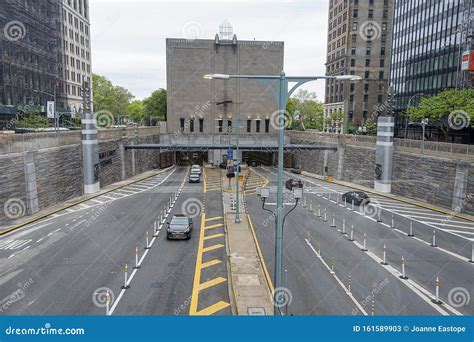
[[226, 31]]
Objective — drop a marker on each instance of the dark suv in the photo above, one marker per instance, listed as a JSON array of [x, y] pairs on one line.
[[293, 183], [180, 228]]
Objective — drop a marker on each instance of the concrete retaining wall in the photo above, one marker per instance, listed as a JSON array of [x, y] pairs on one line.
[[432, 178], [38, 171]]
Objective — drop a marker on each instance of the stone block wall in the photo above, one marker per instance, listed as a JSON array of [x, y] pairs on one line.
[[437, 180], [56, 162]]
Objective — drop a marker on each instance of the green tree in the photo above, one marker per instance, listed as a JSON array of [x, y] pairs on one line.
[[451, 108], [310, 110], [156, 105], [108, 97], [136, 111], [33, 119]]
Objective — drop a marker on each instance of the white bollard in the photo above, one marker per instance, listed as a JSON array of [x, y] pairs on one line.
[[329, 197], [349, 286], [325, 216], [304, 202], [345, 204], [364, 247], [137, 266], [472, 254], [311, 206], [125, 272], [384, 261], [352, 233], [436, 299], [147, 246], [155, 229], [393, 223], [379, 218], [319, 211], [337, 198], [352, 205], [403, 276], [333, 225], [318, 249], [410, 234], [433, 240], [343, 226], [332, 266], [107, 303]]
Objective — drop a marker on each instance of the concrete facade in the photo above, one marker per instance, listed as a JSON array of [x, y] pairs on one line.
[[359, 38], [192, 100]]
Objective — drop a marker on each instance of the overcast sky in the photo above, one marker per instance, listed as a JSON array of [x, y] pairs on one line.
[[128, 37]]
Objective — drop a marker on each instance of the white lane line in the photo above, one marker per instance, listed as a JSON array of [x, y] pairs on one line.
[[349, 294], [11, 256], [152, 242], [442, 220], [83, 206], [460, 231], [413, 212], [423, 295]]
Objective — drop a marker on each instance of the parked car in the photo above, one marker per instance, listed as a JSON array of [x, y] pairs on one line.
[[196, 169], [254, 163], [296, 170], [358, 197], [293, 183], [194, 178], [180, 228]]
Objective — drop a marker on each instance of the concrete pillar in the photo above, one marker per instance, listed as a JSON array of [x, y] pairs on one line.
[[341, 150], [460, 188], [31, 189], [90, 145], [325, 164], [123, 172], [384, 154]]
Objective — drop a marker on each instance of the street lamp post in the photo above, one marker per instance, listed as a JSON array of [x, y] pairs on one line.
[[281, 95]]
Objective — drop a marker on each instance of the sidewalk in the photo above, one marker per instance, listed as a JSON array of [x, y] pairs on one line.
[[250, 286]]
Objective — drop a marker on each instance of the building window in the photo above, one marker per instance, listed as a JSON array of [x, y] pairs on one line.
[[257, 128], [249, 126], [181, 124], [201, 125], [191, 125], [267, 125], [220, 124]]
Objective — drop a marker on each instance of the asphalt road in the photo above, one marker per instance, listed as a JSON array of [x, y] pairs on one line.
[[64, 264], [312, 285]]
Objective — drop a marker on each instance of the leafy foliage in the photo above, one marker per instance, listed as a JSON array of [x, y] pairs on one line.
[[305, 108]]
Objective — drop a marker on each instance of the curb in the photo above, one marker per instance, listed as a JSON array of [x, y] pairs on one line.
[[85, 199]]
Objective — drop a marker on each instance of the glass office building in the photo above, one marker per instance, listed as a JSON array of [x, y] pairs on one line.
[[429, 38]]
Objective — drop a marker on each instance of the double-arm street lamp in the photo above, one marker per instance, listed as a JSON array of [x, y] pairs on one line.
[[282, 94]]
